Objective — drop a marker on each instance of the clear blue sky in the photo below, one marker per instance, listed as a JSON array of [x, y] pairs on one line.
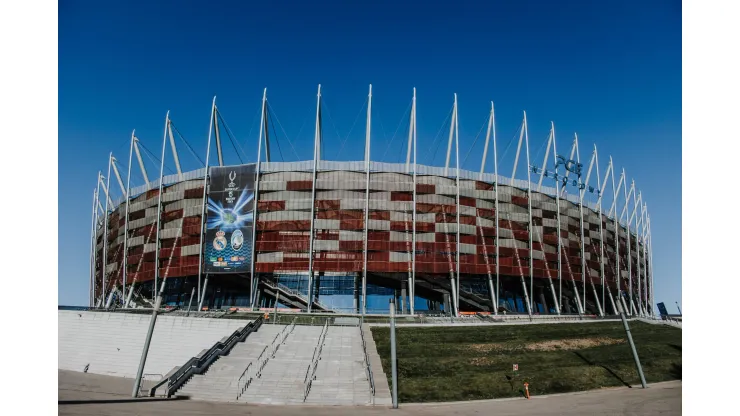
[[610, 71]]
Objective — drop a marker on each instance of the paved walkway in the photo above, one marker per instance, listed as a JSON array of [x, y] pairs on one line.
[[92, 394]]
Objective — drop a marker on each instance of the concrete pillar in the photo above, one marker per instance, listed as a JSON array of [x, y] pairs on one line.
[[448, 306]]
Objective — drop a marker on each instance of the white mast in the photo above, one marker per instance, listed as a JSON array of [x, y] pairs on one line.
[[105, 228], [124, 273], [316, 156], [367, 196], [412, 300], [204, 211], [174, 150], [159, 208], [141, 163]]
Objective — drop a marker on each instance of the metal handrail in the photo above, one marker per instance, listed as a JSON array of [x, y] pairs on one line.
[[299, 295], [315, 360], [367, 363], [200, 363]]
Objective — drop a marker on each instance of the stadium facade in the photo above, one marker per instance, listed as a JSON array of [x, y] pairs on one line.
[[560, 237]]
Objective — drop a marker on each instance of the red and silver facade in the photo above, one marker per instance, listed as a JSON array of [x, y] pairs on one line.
[[470, 240]]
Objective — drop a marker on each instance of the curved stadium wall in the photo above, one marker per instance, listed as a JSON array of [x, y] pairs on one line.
[[395, 196]]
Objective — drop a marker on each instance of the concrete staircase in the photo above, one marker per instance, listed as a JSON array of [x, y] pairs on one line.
[[341, 378], [220, 382], [283, 378], [252, 374]]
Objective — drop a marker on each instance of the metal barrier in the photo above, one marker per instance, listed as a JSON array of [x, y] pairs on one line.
[[247, 381], [200, 363]]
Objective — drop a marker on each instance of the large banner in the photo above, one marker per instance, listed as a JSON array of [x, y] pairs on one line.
[[229, 226]]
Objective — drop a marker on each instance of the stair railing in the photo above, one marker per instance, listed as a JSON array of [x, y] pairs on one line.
[[308, 380], [368, 369], [199, 364]]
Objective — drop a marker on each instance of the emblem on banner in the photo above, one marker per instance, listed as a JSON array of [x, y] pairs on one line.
[[219, 243], [237, 240]]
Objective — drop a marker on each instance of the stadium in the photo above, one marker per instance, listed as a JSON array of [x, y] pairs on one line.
[[559, 235]]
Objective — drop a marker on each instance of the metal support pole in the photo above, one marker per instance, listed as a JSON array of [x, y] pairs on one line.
[[367, 198], [629, 245], [495, 204], [218, 135], [147, 342], [130, 294], [494, 305], [583, 236], [124, 273], [277, 300], [632, 346], [616, 228], [93, 240], [118, 175], [254, 277], [516, 250], [110, 297], [190, 303], [557, 209], [539, 188], [640, 231], [203, 294], [204, 211], [394, 364], [159, 205], [412, 286], [174, 150], [449, 141], [529, 211], [596, 297], [316, 147], [457, 210], [652, 273], [601, 231], [105, 227], [645, 280], [141, 164]]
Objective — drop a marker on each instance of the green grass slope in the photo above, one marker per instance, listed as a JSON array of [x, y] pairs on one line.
[[470, 363]]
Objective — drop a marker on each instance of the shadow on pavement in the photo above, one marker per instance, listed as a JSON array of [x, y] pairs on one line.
[[128, 400]]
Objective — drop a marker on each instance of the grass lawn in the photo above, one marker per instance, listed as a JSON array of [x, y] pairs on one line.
[[470, 363]]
